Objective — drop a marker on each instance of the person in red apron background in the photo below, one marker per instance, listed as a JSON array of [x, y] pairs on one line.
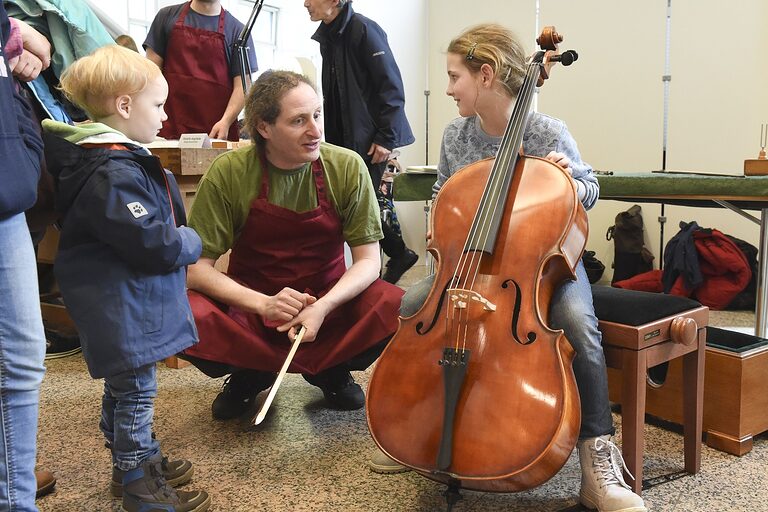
[[192, 44], [285, 206]]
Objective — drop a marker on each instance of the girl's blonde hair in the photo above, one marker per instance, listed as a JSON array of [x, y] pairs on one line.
[[496, 46], [92, 82]]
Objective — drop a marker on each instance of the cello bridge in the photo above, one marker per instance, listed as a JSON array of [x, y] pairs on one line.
[[461, 298]]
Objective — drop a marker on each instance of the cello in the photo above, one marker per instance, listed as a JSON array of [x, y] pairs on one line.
[[475, 390]]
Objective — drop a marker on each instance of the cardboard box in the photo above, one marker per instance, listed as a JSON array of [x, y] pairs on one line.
[[187, 161]]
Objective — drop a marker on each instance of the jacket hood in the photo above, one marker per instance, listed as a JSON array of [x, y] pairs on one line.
[[70, 163]]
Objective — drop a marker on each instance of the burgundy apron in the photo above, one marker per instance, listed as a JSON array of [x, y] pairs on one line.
[[197, 71], [304, 251]]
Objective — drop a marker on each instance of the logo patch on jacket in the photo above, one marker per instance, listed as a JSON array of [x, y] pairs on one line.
[[137, 209]]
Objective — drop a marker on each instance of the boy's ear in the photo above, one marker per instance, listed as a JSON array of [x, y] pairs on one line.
[[123, 106]]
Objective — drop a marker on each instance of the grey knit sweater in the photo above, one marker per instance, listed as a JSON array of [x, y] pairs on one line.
[[465, 142]]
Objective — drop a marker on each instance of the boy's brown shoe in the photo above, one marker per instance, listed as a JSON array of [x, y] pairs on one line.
[[145, 489], [175, 472], [45, 482]]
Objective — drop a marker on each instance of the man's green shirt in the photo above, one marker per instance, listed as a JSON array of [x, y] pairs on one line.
[[226, 192]]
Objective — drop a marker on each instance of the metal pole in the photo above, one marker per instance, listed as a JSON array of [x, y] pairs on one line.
[[667, 78], [761, 329]]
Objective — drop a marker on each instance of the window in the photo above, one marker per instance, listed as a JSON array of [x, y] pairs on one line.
[[140, 16]]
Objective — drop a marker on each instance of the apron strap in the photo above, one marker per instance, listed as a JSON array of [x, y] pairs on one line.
[[185, 10], [221, 20], [317, 174], [183, 15]]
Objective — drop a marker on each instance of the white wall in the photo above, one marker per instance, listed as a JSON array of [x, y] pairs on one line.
[[612, 98]]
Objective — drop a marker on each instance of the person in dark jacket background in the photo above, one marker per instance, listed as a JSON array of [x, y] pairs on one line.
[[364, 101], [121, 262], [22, 342]]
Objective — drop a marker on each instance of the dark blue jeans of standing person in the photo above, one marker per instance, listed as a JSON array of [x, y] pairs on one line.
[[127, 408], [572, 310], [22, 350]]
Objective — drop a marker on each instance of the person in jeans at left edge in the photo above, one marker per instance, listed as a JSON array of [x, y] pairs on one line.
[[22, 341], [364, 102]]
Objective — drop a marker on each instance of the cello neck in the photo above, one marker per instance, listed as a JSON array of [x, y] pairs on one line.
[[485, 226]]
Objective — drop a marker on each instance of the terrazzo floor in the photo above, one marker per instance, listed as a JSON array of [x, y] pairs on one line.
[[305, 457]]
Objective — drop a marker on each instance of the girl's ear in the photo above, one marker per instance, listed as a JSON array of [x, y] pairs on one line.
[[486, 74], [123, 106]]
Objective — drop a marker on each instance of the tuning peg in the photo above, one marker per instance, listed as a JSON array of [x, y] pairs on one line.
[[566, 58]]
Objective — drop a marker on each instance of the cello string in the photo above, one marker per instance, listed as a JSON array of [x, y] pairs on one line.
[[506, 159], [494, 193], [496, 179], [508, 155]]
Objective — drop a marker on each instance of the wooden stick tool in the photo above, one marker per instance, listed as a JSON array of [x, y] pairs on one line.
[[279, 379]]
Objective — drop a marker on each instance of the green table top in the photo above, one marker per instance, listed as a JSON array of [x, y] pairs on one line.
[[674, 188]]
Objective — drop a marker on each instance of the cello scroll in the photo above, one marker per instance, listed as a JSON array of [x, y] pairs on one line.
[[548, 41]]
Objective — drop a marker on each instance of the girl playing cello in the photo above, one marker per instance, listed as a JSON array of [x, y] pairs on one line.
[[486, 67]]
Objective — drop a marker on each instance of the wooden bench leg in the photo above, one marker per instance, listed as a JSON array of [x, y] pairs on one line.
[[693, 403], [634, 367]]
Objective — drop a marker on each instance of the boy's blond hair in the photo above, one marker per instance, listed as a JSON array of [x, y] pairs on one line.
[[92, 82]]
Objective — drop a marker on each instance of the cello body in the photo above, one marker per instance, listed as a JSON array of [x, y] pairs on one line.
[[515, 416]]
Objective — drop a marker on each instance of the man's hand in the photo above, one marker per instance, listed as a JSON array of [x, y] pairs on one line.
[[220, 130], [311, 317], [286, 305], [35, 43], [26, 67], [561, 160], [378, 153]]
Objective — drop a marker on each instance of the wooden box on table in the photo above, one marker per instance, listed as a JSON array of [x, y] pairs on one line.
[[188, 166]]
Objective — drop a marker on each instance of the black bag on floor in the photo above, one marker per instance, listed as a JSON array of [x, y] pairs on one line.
[[593, 266], [630, 254], [747, 298]]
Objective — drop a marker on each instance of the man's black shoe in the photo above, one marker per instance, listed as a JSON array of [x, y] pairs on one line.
[[60, 343], [396, 267], [238, 393], [339, 388]]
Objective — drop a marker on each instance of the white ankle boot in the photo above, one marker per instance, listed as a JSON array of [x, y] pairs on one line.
[[381, 463], [602, 483]]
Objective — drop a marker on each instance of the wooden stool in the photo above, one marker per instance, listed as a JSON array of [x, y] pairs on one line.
[[641, 330]]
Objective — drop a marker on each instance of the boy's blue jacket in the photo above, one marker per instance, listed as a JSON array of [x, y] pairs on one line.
[[121, 264]]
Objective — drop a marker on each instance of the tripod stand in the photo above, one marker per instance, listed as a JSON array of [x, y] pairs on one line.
[[241, 46]]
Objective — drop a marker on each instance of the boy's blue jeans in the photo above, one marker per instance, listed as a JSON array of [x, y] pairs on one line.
[[126, 416], [572, 310], [22, 351]]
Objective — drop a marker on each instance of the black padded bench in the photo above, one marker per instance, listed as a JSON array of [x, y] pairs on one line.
[[641, 330]]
